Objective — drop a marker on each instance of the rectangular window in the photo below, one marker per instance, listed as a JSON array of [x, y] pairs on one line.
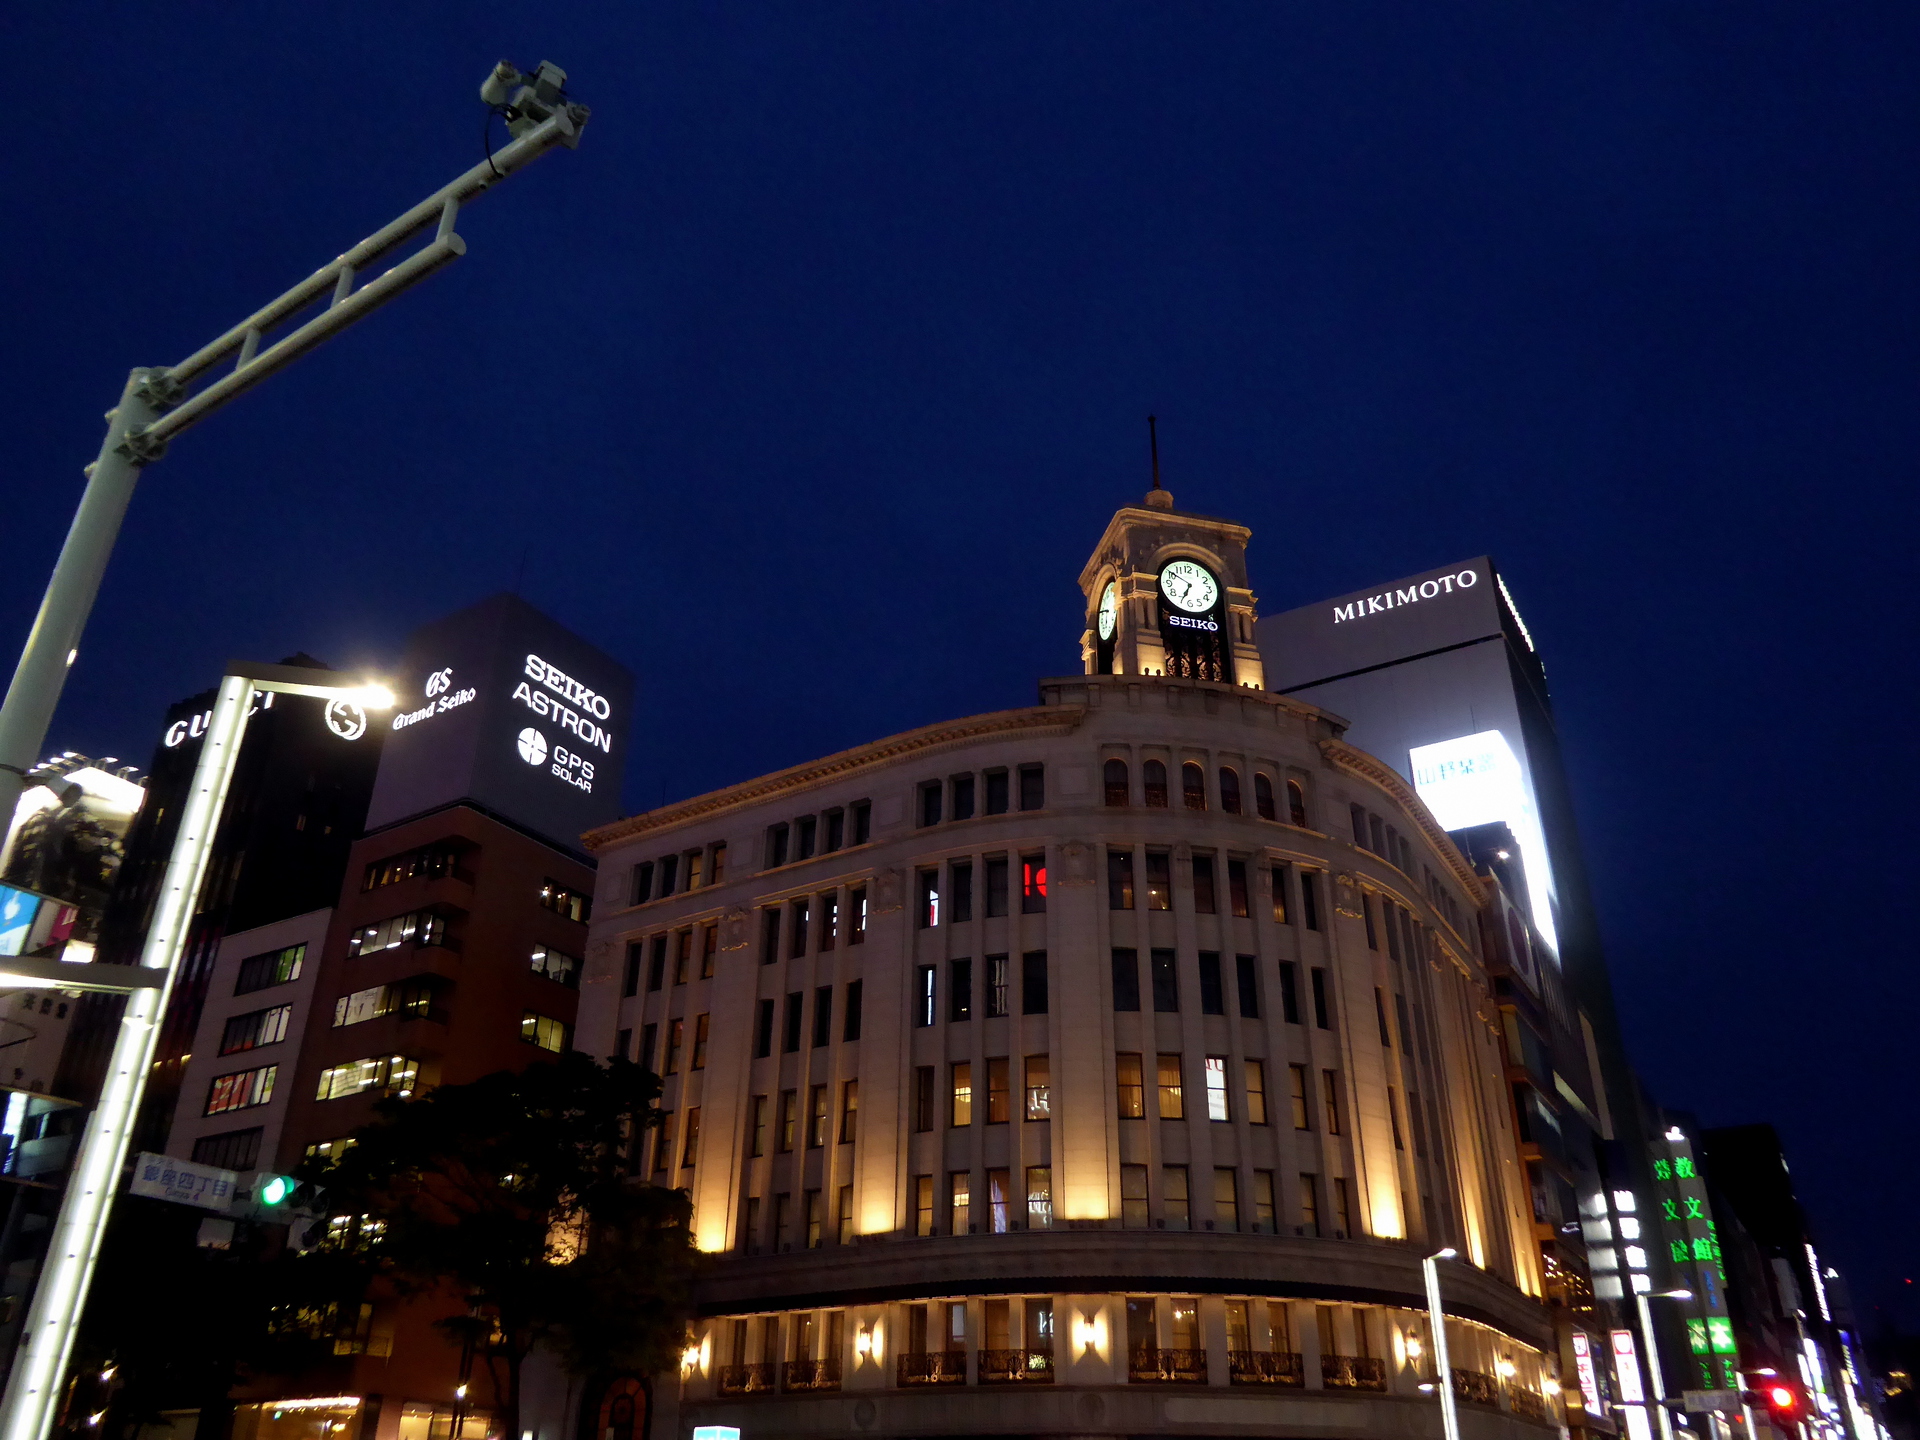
[[1321, 1018], [642, 883], [849, 1110], [431, 862], [1033, 884], [1297, 1078], [1120, 879], [816, 1116], [782, 1222], [1393, 1114], [806, 834], [923, 1091], [796, 928], [719, 867], [998, 1205], [1213, 993], [676, 1039], [815, 1225], [663, 1143], [1390, 918], [1039, 1199], [777, 836], [1263, 1222], [829, 908], [1310, 1204], [1380, 1014], [1039, 1090], [1289, 993], [230, 1149], [850, 1026], [1256, 1077], [546, 1032], [1133, 1197], [960, 1105], [999, 986], [930, 803], [551, 964], [262, 1027], [789, 1119], [862, 821], [762, 1031], [1126, 980], [757, 1127], [1330, 1095], [1217, 1087], [959, 990], [1366, 910], [1159, 880], [1033, 787], [647, 1036], [1237, 888], [923, 1205], [959, 1202], [929, 899], [701, 1025], [690, 1148], [1359, 818], [790, 1022], [925, 994], [961, 906], [657, 964], [1173, 1105], [1130, 1089], [1280, 911], [857, 916], [1226, 1198], [1342, 1209], [244, 1089], [1033, 983], [696, 860], [389, 1074], [623, 1044], [998, 1110], [1174, 1204], [276, 967], [568, 903], [996, 885], [669, 873], [750, 1233], [822, 1016], [1204, 900], [963, 797], [769, 936], [630, 982], [836, 832], [1166, 982], [843, 1221], [1310, 898], [709, 950], [1247, 983], [997, 792]]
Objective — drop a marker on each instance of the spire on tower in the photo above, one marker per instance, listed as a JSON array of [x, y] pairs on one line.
[[1157, 497]]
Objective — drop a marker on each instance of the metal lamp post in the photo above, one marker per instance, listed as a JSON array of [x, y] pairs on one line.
[[33, 1389], [1437, 1323], [1653, 1355], [155, 406]]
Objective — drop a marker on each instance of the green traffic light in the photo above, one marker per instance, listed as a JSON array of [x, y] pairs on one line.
[[276, 1189]]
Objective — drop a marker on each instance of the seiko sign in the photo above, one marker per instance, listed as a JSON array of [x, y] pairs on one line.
[[563, 685], [1189, 622], [1405, 595]]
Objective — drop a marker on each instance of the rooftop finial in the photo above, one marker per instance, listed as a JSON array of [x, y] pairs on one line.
[[1158, 498]]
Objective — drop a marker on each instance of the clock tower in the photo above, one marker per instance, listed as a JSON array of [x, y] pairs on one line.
[[1167, 595]]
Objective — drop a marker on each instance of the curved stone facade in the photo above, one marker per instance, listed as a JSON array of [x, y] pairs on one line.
[[1104, 1067]]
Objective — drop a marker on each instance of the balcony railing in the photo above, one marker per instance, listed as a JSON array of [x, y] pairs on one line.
[[811, 1375], [1352, 1372], [936, 1367], [1476, 1388], [1167, 1367], [1527, 1402], [746, 1379], [1265, 1367], [1016, 1367]]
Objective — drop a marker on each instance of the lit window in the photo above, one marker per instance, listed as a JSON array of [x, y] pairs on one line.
[[544, 1031], [1216, 1087], [1623, 1202]]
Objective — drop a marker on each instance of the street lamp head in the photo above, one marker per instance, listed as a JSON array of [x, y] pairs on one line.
[[374, 696], [1673, 1294], [1446, 1254]]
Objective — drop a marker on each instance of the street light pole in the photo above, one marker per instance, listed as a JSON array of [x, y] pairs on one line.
[[1653, 1355], [1437, 1323], [155, 405], [46, 1343]]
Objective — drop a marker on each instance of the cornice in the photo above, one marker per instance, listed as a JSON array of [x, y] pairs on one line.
[[1042, 719], [1367, 767]]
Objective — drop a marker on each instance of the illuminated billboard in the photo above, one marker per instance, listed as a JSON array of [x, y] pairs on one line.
[[1477, 780], [502, 706]]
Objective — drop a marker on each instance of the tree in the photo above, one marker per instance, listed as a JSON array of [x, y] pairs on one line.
[[513, 1190]]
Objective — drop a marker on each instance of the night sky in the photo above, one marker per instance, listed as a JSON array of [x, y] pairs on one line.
[[807, 384]]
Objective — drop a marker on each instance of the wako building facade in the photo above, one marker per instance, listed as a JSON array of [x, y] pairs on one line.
[[1064, 1070]]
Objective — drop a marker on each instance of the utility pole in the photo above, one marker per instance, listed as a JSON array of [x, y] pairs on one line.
[[159, 403]]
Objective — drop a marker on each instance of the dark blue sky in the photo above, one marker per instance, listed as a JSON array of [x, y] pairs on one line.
[[807, 384]]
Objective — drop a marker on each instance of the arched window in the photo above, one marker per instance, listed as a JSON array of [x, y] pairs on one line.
[[1229, 790], [1117, 786], [1193, 786], [1153, 775], [1296, 804], [1263, 795]]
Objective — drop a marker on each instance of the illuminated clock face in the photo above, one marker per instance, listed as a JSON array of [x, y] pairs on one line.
[[1189, 586], [1108, 605]]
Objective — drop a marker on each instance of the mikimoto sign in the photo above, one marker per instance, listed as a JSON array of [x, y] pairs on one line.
[[501, 705]]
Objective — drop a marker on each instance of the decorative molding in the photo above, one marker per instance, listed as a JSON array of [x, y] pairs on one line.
[[1364, 766]]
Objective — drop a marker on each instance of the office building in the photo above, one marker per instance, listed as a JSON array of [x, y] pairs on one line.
[[1074, 1069]]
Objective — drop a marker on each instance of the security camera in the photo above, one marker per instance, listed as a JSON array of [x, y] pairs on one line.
[[495, 89]]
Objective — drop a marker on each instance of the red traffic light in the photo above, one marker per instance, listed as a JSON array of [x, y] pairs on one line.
[[1781, 1398]]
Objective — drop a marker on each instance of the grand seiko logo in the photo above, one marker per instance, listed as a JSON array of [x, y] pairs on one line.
[[1189, 622], [1405, 595]]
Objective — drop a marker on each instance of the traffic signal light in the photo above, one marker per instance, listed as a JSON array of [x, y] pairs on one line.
[[272, 1192], [1783, 1401], [280, 1198]]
